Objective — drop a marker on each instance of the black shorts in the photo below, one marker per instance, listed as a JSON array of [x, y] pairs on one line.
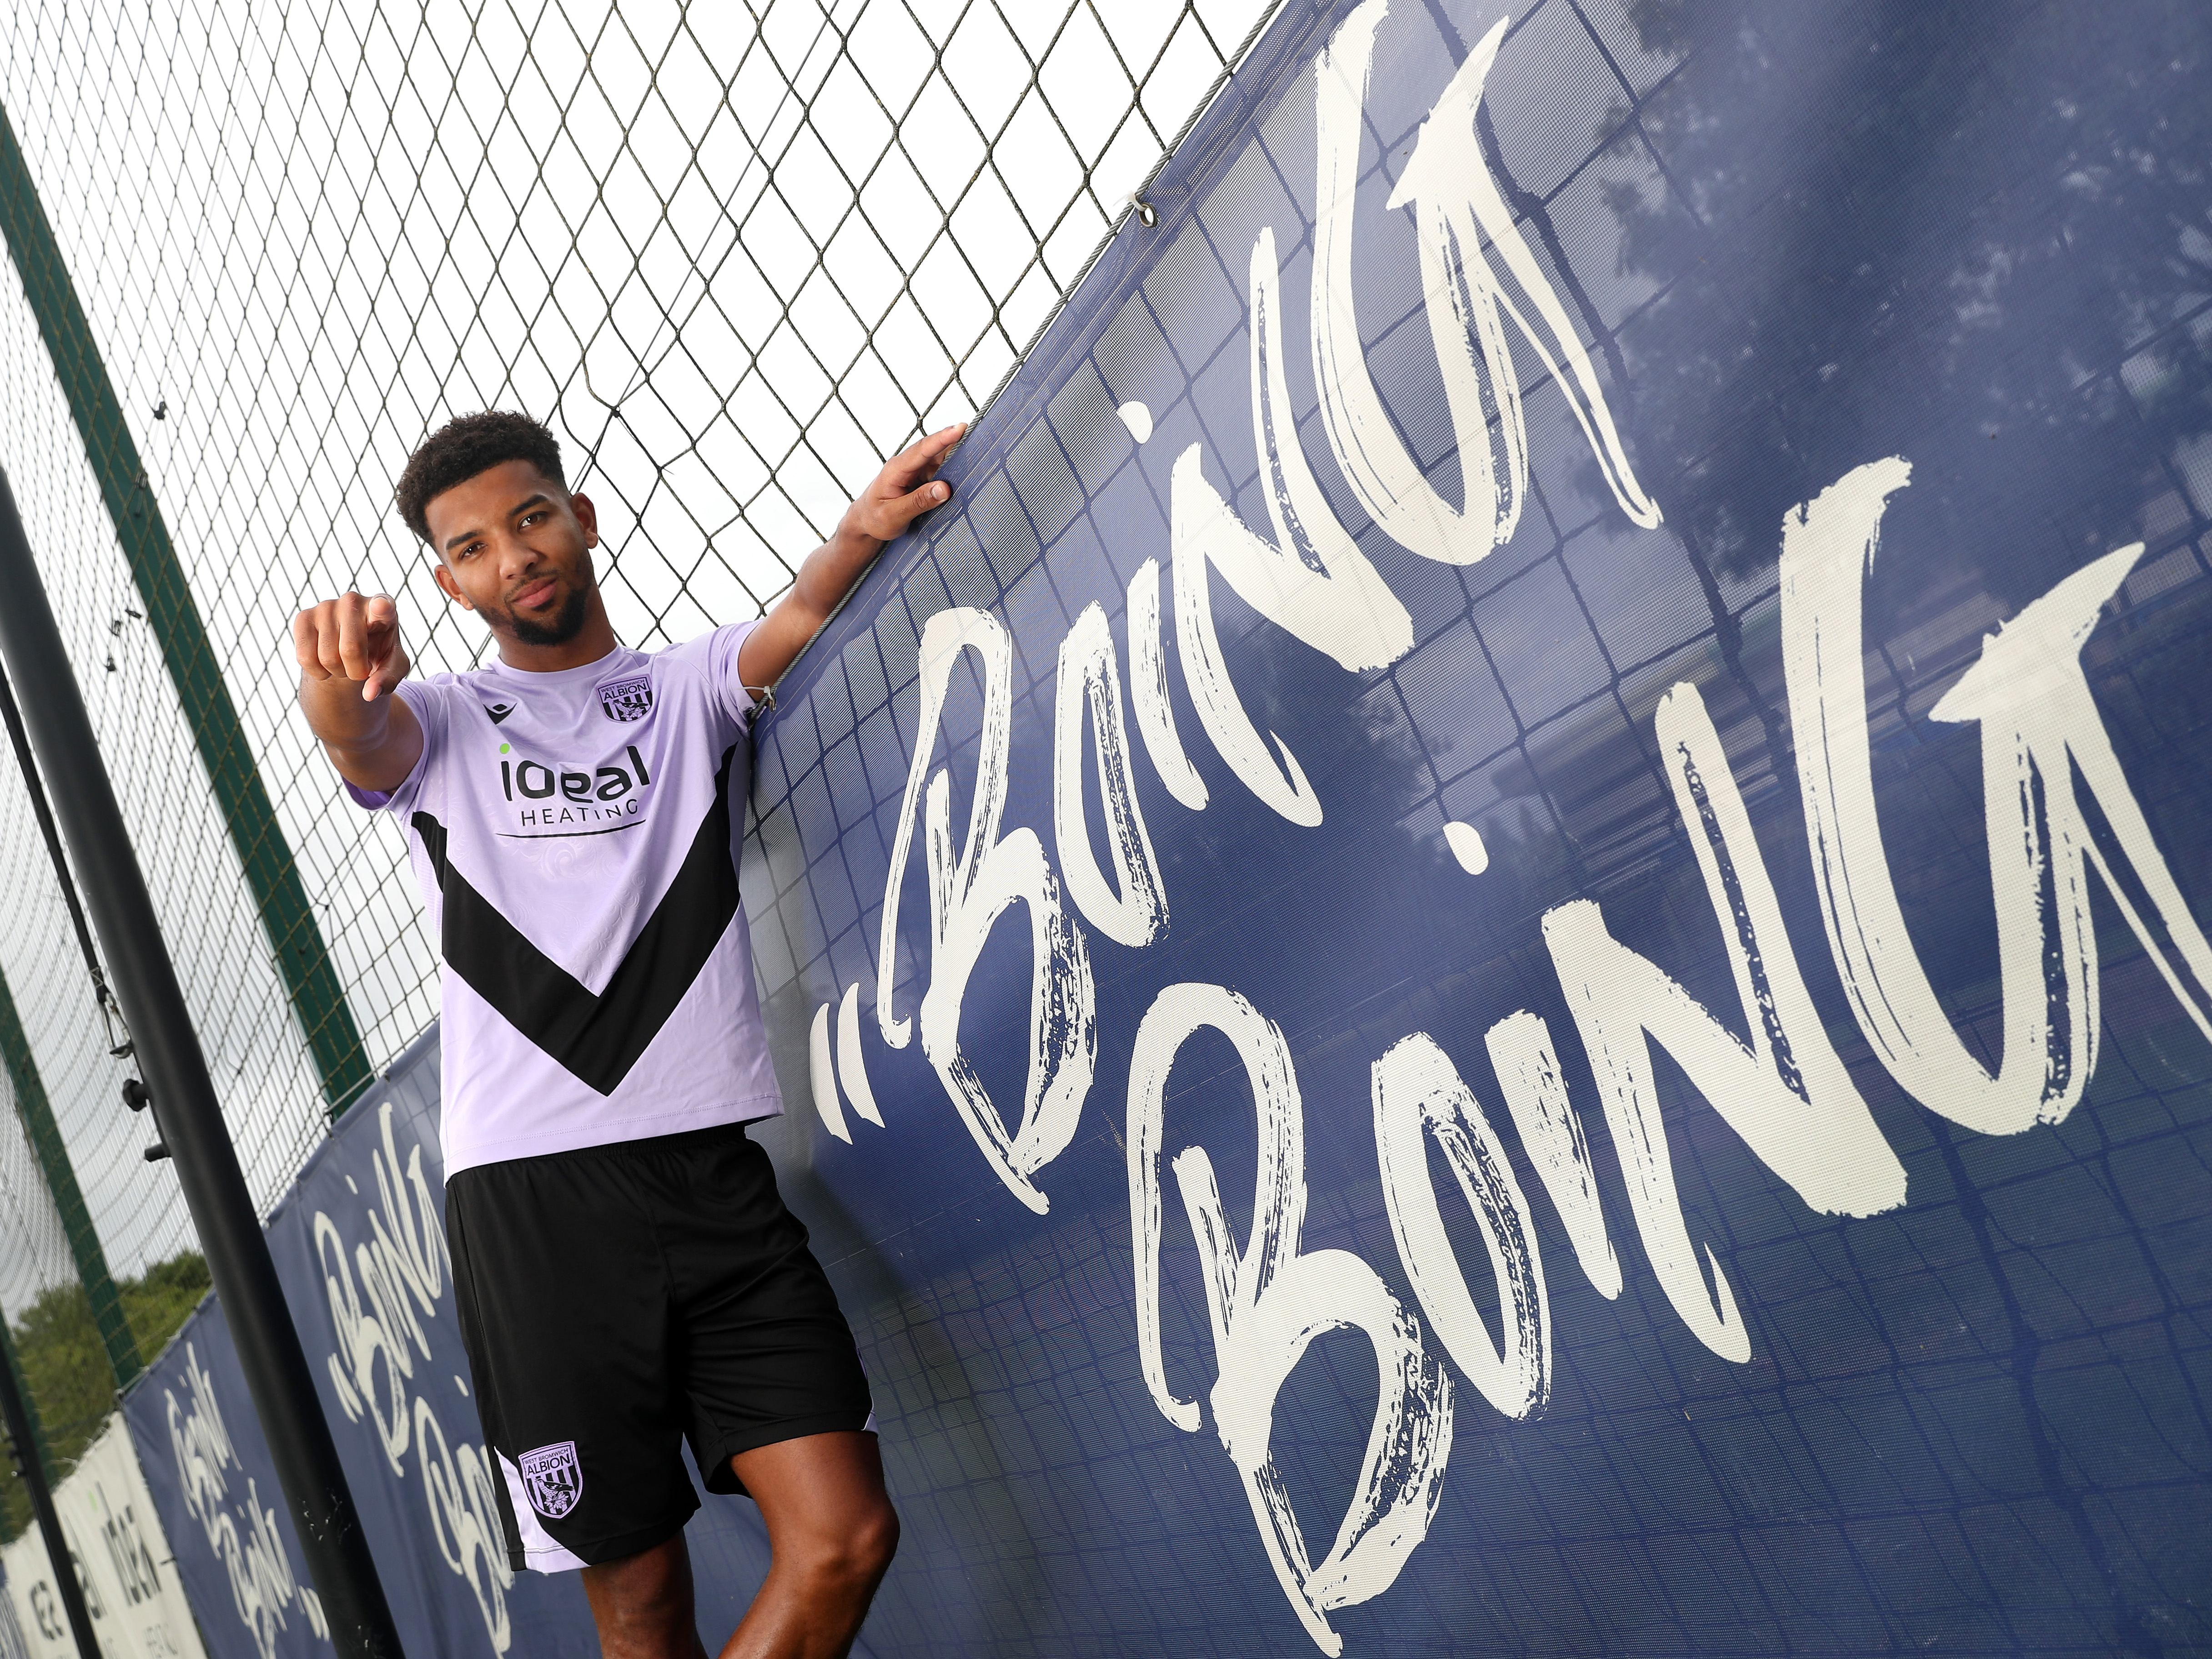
[[618, 1299]]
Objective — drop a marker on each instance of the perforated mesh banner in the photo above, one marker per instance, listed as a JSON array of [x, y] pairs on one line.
[[120, 1558], [1501, 948]]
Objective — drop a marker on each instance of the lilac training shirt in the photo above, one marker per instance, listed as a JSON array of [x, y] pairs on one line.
[[575, 835]]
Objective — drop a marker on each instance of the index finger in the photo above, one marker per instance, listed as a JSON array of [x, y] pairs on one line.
[[919, 460], [353, 637]]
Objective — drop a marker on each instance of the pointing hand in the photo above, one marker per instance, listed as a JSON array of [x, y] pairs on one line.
[[352, 638]]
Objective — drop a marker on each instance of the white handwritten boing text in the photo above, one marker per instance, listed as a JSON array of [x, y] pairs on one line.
[[379, 1334], [2046, 758], [263, 1586]]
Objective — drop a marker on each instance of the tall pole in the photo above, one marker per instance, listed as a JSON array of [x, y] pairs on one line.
[[30, 1461], [185, 1110]]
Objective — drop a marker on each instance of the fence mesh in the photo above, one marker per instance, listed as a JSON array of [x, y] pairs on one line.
[[733, 254]]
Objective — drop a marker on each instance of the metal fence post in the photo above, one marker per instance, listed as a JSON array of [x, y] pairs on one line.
[[185, 1109]]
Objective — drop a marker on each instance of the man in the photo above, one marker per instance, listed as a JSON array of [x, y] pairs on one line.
[[625, 1272]]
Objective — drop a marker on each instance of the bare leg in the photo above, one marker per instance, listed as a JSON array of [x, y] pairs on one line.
[[832, 1532], [642, 1604]]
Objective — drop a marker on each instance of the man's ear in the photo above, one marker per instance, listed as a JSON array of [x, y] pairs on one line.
[[587, 516], [444, 578]]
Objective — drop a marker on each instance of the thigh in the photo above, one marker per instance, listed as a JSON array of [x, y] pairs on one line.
[[564, 1311], [766, 1355]]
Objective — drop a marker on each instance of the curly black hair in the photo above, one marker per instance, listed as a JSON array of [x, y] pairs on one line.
[[466, 445]]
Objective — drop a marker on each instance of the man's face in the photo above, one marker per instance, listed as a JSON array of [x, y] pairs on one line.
[[516, 548]]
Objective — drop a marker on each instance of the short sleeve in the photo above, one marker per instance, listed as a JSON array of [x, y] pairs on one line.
[[723, 645], [429, 709]]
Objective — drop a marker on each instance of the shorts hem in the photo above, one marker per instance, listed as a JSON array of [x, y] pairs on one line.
[[569, 1557], [723, 1480]]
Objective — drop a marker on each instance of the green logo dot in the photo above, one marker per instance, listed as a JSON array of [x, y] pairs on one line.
[[502, 749]]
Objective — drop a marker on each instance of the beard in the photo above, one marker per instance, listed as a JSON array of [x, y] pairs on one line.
[[561, 628]]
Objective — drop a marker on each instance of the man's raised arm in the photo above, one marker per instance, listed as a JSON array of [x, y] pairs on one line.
[[901, 492], [349, 660]]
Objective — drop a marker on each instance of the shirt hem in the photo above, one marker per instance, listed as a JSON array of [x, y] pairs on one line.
[[749, 1110]]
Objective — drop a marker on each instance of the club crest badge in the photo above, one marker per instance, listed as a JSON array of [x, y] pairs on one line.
[[627, 700], [553, 1479]]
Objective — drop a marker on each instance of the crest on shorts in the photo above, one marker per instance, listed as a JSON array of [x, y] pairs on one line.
[[627, 700], [553, 1479]]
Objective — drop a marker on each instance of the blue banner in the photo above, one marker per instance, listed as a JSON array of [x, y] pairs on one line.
[[1501, 946]]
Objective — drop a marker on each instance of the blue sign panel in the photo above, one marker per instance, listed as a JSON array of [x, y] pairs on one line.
[[1501, 947], [214, 1488]]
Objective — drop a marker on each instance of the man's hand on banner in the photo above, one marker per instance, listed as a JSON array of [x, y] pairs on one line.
[[901, 493], [907, 488]]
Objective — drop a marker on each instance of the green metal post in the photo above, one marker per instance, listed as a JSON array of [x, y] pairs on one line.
[[45, 1138], [293, 933]]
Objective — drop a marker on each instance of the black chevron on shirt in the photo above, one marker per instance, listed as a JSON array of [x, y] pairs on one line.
[[596, 1038]]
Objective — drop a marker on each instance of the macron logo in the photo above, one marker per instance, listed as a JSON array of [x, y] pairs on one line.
[[496, 712]]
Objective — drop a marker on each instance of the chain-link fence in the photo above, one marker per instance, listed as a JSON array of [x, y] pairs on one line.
[[734, 255]]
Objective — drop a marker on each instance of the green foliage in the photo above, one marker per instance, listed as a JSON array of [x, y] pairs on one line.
[[160, 1301], [64, 1367]]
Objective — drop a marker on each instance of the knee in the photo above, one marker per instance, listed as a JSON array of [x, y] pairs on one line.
[[851, 1557], [879, 1540], [870, 1542]]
